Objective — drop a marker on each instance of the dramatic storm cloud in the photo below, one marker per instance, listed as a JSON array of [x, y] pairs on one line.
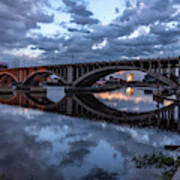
[[69, 31]]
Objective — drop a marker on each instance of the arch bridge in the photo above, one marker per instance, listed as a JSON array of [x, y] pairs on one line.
[[85, 74]]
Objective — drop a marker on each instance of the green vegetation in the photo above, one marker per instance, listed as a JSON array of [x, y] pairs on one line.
[[168, 164], [3, 177]]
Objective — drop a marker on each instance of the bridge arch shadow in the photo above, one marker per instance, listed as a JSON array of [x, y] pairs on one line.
[[90, 78], [93, 105], [86, 106]]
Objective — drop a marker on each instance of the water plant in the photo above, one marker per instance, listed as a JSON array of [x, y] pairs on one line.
[[168, 164]]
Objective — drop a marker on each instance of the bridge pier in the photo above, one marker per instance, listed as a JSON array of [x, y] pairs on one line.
[[173, 71], [70, 75], [178, 122], [150, 67], [141, 65], [82, 70], [154, 67], [164, 70], [69, 105], [178, 72], [168, 70], [178, 113], [160, 68]]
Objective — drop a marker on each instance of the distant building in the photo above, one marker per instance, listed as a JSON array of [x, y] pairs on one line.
[[112, 78], [149, 79], [53, 78], [100, 83]]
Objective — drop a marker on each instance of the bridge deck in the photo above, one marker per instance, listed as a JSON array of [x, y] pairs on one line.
[[101, 62]]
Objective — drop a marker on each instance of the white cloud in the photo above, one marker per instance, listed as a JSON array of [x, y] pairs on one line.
[[26, 52], [66, 28], [100, 45]]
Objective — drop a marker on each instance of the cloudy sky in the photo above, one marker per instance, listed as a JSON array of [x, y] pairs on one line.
[[67, 31]]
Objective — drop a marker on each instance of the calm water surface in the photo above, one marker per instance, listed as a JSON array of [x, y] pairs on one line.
[[43, 145]]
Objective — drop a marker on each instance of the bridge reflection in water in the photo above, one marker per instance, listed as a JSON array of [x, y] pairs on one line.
[[88, 106]]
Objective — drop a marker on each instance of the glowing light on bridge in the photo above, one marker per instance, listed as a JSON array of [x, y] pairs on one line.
[[167, 103], [129, 77]]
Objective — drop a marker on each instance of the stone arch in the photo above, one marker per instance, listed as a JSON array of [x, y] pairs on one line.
[[46, 73], [91, 77], [10, 75]]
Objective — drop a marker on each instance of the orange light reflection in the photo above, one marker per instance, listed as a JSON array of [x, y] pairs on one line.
[[129, 91], [167, 103], [120, 72], [121, 96]]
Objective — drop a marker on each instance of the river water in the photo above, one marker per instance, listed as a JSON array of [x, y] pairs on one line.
[[53, 138]]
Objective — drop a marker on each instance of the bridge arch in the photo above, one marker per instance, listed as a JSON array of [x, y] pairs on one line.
[[91, 77], [8, 74], [44, 74]]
